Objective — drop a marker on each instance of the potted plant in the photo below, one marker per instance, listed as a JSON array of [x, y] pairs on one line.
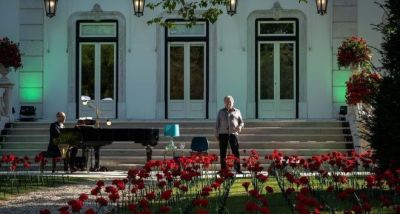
[[362, 87], [354, 53], [10, 56]]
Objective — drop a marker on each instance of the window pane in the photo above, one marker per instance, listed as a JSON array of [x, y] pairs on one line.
[[87, 58], [277, 28], [107, 71], [176, 72], [197, 72], [267, 71], [98, 30], [180, 29], [286, 73]]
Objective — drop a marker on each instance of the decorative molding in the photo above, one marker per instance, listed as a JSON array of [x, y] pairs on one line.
[[97, 14], [276, 12]]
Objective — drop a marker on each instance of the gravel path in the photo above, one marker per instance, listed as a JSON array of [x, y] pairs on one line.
[[50, 198]]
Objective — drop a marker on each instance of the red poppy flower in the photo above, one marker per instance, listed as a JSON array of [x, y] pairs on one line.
[[289, 190], [151, 196], [202, 211], [330, 188], [100, 183], [165, 209], [83, 197], [166, 195], [304, 180], [102, 201], [264, 210], [269, 189], [114, 196], [246, 185], [251, 207], [76, 205], [90, 211], [132, 208], [254, 193], [144, 203], [183, 188], [45, 211]]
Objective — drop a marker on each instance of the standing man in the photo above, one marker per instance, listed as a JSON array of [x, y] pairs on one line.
[[52, 150], [227, 128]]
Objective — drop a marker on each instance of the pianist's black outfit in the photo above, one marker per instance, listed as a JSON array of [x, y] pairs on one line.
[[52, 149]]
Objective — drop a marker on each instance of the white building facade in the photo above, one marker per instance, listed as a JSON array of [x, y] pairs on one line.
[[276, 57]]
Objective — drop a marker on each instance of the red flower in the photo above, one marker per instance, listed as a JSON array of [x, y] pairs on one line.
[[144, 203], [251, 207], [264, 210], [166, 195], [202, 211], [119, 184], [162, 184], [90, 211], [111, 189], [254, 193], [132, 208], [304, 180], [100, 183], [102, 201], [165, 209], [10, 55], [357, 209], [183, 188], [76, 205], [114, 196], [201, 202], [289, 190], [269, 189], [83, 197], [150, 196], [95, 191], [246, 185], [45, 211], [330, 188]]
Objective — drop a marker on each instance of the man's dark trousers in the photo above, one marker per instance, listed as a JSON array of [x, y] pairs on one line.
[[223, 144]]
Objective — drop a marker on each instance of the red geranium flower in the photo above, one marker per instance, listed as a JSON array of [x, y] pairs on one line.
[[76, 205], [246, 185], [150, 196], [269, 189], [166, 195], [83, 197], [165, 209], [100, 183], [251, 207], [90, 211], [144, 203], [102, 201], [45, 211]]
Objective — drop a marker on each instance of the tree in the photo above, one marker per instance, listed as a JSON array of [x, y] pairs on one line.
[[210, 10], [383, 124]]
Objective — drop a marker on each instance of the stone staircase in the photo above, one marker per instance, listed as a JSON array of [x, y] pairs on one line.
[[292, 137]]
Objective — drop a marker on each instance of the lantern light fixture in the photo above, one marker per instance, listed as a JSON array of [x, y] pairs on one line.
[[231, 7], [138, 7], [50, 6], [322, 6]]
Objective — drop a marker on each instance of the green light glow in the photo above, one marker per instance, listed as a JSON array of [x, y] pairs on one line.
[[31, 95], [30, 79], [340, 77], [339, 94]]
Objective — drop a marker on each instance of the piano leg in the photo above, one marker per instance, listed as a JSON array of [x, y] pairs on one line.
[[149, 152]]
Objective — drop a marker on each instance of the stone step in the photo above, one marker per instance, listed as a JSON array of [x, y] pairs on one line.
[[188, 137], [208, 130], [160, 152], [212, 145], [196, 123]]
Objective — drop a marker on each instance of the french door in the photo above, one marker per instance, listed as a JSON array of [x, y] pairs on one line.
[[277, 79], [186, 79], [97, 79]]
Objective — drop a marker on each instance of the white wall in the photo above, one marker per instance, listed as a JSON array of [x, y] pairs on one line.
[[9, 28], [141, 56], [369, 14]]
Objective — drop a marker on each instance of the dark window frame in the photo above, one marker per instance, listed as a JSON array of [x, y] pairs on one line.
[[294, 38], [168, 39], [96, 39]]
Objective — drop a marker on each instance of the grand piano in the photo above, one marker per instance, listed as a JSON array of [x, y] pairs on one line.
[[97, 137]]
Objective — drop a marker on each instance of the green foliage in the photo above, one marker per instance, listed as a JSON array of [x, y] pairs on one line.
[[209, 10], [384, 123]]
